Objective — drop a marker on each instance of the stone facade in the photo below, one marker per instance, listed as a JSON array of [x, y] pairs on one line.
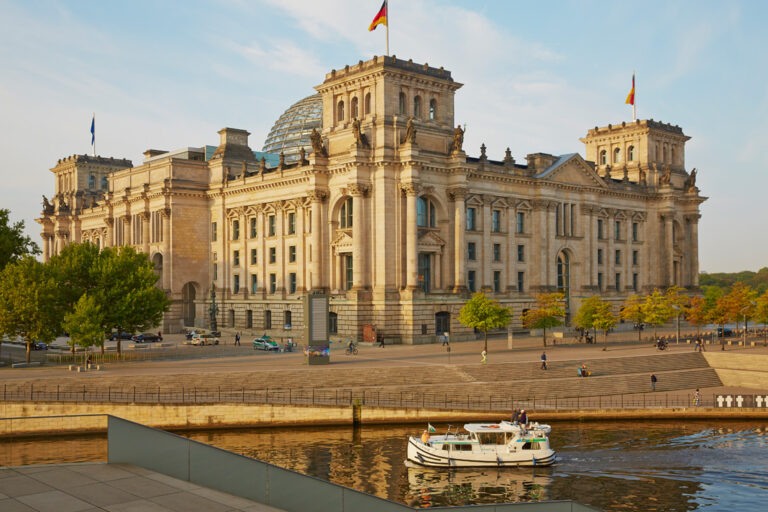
[[389, 215]]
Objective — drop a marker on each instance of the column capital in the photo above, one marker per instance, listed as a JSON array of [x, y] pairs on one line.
[[317, 195], [458, 193], [410, 189], [166, 213], [357, 189]]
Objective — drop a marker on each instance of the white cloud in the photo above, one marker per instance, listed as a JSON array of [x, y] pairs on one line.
[[283, 56]]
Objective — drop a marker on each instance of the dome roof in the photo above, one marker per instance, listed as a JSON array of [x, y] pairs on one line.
[[291, 131]]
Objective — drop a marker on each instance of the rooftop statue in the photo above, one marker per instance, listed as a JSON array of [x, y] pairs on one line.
[[410, 132], [666, 178], [458, 138], [690, 181], [317, 143], [360, 138]]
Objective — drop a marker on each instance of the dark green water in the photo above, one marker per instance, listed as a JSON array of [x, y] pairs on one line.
[[617, 466]]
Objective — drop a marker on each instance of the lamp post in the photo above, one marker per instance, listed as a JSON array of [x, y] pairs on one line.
[[677, 316]]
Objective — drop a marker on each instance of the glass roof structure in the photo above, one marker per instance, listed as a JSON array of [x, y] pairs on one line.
[[291, 131]]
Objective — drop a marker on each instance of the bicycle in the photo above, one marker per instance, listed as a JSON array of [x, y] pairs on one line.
[[351, 350]]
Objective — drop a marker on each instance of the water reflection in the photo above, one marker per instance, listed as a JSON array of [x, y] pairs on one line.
[[618, 466]]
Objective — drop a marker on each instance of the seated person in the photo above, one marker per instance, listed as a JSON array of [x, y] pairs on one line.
[[584, 371], [578, 371], [425, 437]]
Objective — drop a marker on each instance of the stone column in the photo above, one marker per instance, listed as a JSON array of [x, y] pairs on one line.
[[144, 216], [411, 191], [301, 265], [358, 236], [693, 250], [280, 256], [486, 252], [110, 241], [460, 246], [127, 230], [437, 284], [166, 215], [669, 244], [316, 197]]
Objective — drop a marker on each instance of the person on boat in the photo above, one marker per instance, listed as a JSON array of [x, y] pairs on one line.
[[425, 437], [523, 421], [516, 416]]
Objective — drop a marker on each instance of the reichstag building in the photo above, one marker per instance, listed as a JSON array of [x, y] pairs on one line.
[[365, 190]]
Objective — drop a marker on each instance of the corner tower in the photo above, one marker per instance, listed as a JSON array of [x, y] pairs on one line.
[[383, 93]]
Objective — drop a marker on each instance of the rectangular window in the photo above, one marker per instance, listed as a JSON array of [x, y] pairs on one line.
[[496, 252], [617, 230], [520, 282], [497, 281], [634, 231], [292, 253], [618, 281], [271, 225], [287, 319], [215, 271], [291, 223], [600, 234], [471, 225], [471, 250], [292, 282], [254, 257], [272, 255], [214, 232], [267, 319], [471, 280], [254, 283], [235, 230], [520, 222], [572, 219], [521, 253], [333, 323], [635, 257], [599, 256], [236, 258], [236, 285], [348, 272], [254, 231], [617, 259], [496, 221], [600, 281], [272, 283], [634, 282], [557, 220]]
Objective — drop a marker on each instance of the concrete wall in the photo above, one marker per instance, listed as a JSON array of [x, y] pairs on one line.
[[740, 370]]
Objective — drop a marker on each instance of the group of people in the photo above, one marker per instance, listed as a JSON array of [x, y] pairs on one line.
[[583, 371]]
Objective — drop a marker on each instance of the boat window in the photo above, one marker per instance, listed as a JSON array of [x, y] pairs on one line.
[[446, 447], [532, 445], [463, 447], [491, 437]]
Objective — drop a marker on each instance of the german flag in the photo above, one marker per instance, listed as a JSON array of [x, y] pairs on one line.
[[381, 17], [631, 95]]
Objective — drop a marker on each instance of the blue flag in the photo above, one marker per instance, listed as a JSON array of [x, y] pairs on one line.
[[93, 130]]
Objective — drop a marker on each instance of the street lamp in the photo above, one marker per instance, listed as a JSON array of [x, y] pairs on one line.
[[677, 316]]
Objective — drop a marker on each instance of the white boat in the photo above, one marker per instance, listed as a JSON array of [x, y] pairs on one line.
[[503, 444]]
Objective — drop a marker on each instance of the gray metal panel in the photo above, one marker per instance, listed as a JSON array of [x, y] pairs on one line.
[[299, 493], [146, 447], [228, 472], [356, 500]]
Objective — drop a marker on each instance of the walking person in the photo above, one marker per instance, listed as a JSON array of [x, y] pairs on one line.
[[485, 356], [237, 338], [697, 398], [654, 380], [445, 340], [543, 360]]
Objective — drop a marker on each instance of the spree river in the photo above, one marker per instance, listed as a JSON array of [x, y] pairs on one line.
[[614, 466]]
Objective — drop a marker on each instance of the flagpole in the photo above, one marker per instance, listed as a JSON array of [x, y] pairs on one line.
[[93, 145], [634, 98], [386, 9]]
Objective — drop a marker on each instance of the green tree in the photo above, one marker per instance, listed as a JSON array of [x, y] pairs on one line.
[[633, 311], [125, 289], [595, 313], [761, 311], [549, 312], [73, 268], [13, 244], [657, 310], [742, 299], [85, 324], [27, 302], [720, 310], [677, 302], [482, 313], [696, 312]]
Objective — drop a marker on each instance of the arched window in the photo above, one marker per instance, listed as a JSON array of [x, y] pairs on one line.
[[432, 109], [425, 213], [603, 157], [631, 153], [616, 155], [664, 154], [91, 181], [563, 273], [402, 103], [345, 217], [340, 111], [417, 107], [672, 156], [104, 183], [354, 113], [367, 103]]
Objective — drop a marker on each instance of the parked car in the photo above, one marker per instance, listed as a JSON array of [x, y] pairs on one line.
[[39, 345], [265, 343], [123, 336], [146, 337], [724, 332], [205, 339]]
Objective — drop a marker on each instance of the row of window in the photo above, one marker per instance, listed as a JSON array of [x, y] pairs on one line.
[[92, 182], [617, 282], [472, 224], [472, 281], [617, 230], [665, 153], [472, 252], [617, 257], [355, 108], [271, 227], [255, 281]]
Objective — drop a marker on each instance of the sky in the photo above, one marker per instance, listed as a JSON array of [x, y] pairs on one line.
[[536, 75]]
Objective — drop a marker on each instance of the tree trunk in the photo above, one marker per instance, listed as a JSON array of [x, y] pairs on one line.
[[485, 342], [605, 339], [654, 333], [545, 337], [722, 337], [639, 333], [29, 348]]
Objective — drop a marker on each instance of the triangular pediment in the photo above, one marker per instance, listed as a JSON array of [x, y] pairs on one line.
[[430, 242], [342, 242], [523, 205], [474, 200], [572, 170], [499, 202]]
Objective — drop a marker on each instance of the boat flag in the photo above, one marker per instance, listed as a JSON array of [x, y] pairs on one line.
[[93, 134], [631, 97], [431, 428], [381, 18]]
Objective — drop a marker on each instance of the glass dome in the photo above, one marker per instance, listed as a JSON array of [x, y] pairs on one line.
[[291, 131]]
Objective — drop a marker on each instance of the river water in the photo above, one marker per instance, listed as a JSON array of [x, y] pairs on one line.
[[615, 466]]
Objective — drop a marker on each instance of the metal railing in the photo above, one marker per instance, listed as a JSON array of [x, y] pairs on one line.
[[346, 397]]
